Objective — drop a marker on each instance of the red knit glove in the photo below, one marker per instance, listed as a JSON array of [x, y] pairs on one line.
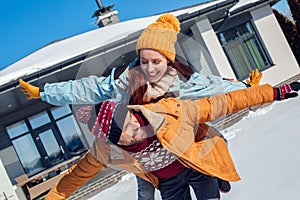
[[285, 91], [84, 114]]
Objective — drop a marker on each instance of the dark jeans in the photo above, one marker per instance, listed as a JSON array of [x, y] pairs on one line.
[[205, 187], [145, 189]]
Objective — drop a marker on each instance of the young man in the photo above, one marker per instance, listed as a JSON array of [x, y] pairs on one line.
[[158, 142]]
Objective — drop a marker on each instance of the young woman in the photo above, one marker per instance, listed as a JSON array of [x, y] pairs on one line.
[[155, 74]]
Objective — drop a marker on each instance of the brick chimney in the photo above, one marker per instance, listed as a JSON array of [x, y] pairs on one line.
[[105, 15]]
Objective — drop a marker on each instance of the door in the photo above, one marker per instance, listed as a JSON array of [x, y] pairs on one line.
[[50, 146]]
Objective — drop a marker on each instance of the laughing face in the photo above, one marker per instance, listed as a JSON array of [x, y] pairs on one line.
[[153, 64], [132, 132]]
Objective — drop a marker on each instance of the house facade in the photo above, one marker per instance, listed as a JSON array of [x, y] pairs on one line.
[[224, 38]]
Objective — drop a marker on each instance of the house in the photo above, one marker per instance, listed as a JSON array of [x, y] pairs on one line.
[[227, 38]]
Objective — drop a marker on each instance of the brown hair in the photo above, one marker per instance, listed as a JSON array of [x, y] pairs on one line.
[[137, 81]]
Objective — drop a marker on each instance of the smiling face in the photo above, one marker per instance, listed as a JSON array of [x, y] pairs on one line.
[[132, 132], [153, 64]]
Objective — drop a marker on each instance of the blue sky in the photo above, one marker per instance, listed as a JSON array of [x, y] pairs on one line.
[[28, 25]]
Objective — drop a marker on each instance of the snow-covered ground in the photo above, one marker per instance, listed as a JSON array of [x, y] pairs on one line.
[[265, 146]]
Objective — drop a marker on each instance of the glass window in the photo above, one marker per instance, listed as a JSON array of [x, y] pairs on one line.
[[39, 120], [244, 50], [42, 147], [71, 134], [17, 129], [28, 154], [54, 153], [58, 112]]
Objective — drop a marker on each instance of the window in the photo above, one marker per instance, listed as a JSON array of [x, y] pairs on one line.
[[71, 135], [244, 50], [46, 139], [52, 148], [25, 147], [17, 129], [59, 112], [39, 120], [28, 154], [69, 130]]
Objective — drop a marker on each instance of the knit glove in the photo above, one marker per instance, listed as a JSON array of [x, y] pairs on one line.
[[254, 77], [31, 92], [285, 91], [83, 115]]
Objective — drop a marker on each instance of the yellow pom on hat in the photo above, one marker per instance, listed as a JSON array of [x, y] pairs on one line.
[[167, 21], [161, 36]]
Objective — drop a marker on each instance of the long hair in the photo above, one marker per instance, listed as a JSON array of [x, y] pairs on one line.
[[137, 81]]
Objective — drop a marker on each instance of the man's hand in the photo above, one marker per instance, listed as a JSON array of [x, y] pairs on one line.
[[254, 78], [286, 91], [31, 92]]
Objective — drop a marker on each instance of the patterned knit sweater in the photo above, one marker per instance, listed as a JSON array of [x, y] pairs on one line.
[[151, 154]]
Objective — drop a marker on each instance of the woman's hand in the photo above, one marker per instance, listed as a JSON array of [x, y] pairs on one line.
[[31, 92]]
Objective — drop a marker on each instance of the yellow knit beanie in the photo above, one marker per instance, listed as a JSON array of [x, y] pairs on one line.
[[161, 36]]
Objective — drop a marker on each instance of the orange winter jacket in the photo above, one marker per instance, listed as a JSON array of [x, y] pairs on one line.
[[175, 124]]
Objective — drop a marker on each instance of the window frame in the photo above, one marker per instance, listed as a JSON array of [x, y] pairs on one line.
[[34, 132], [232, 22]]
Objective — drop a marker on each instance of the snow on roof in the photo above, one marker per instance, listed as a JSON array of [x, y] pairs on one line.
[[68, 48], [63, 50], [240, 4], [244, 3], [60, 51]]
